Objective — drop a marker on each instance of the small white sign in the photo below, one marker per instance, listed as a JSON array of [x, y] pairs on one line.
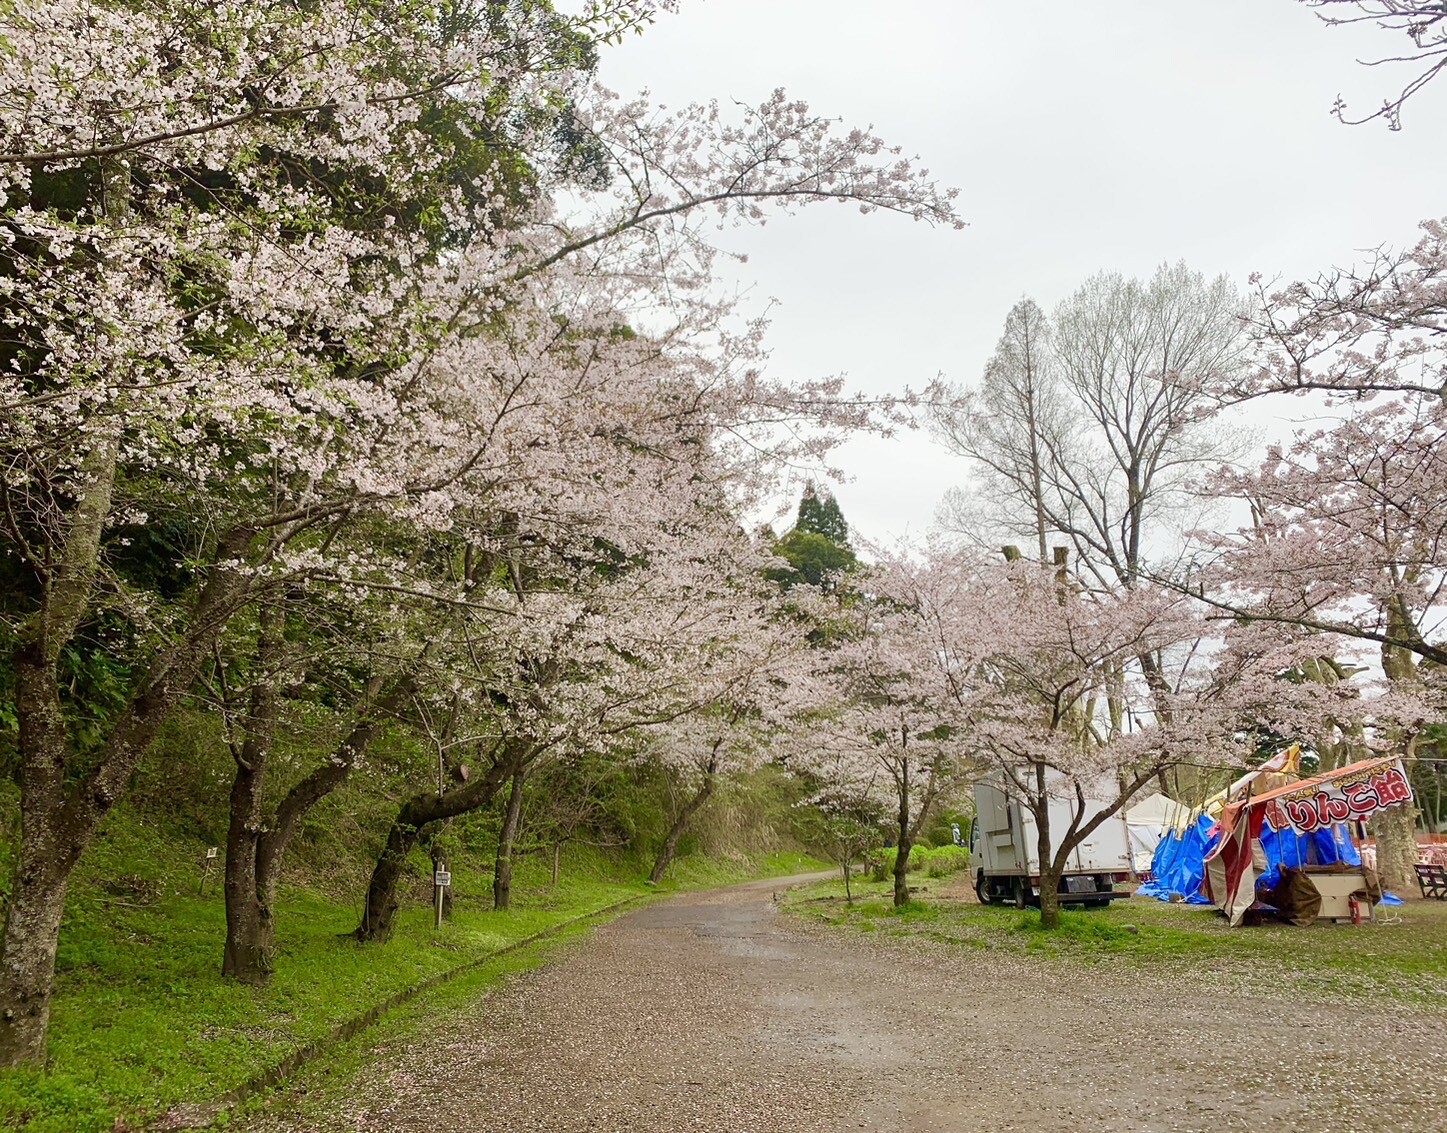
[[442, 878], [211, 853]]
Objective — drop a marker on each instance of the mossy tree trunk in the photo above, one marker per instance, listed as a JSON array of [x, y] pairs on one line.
[[256, 840], [669, 849], [64, 793], [1396, 827], [415, 816], [506, 837]]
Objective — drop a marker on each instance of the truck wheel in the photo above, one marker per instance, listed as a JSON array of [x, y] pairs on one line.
[[1017, 894], [982, 890]]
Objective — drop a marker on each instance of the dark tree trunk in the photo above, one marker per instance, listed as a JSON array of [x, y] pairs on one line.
[[381, 904], [250, 930], [906, 840], [669, 849], [59, 819], [256, 843], [417, 813], [502, 867], [1049, 874]]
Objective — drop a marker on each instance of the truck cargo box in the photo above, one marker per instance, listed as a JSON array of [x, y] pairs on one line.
[[1005, 849]]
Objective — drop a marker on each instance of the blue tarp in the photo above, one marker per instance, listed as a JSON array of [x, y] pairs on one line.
[[1179, 864], [1293, 850]]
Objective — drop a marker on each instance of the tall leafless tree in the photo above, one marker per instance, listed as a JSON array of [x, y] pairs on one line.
[[1089, 425]]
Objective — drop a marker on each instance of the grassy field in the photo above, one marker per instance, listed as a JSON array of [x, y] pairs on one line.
[[143, 1021], [1400, 958]]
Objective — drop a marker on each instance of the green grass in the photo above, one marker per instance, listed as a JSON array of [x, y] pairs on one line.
[[143, 1021], [1403, 957]]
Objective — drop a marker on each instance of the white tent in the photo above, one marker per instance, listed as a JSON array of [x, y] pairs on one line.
[[1150, 817]]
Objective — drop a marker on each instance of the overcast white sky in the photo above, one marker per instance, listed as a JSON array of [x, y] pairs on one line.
[[1083, 134]]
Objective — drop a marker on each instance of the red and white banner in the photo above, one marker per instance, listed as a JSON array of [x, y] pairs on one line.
[[1319, 803]]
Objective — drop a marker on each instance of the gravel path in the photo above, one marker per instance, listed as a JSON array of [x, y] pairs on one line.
[[713, 1013]]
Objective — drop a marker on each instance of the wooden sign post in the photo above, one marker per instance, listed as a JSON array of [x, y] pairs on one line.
[[206, 870], [441, 879]]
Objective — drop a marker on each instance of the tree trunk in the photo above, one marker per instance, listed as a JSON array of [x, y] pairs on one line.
[[906, 840], [256, 844], [250, 926], [1049, 875], [414, 815], [1396, 832], [59, 820], [1049, 897], [502, 868], [669, 849], [381, 906], [32, 933], [1396, 827], [848, 891], [250, 929]]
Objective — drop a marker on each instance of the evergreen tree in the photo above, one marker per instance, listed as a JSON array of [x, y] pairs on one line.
[[820, 515], [817, 548]]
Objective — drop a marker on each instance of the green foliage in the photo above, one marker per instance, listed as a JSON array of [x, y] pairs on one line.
[[817, 549], [820, 515], [940, 861], [813, 559], [945, 860], [940, 831]]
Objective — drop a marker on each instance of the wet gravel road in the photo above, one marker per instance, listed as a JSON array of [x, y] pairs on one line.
[[713, 1012]]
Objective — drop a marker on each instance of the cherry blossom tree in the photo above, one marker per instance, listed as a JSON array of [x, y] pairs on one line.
[[1348, 532], [1347, 540], [749, 684], [883, 733], [1422, 23], [586, 667], [1028, 675], [273, 275], [1375, 328]]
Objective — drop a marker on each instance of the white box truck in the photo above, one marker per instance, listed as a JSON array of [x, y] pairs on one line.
[[1004, 847]]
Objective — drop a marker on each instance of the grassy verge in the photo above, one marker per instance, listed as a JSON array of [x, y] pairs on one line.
[[320, 1088], [1401, 958], [143, 1022]]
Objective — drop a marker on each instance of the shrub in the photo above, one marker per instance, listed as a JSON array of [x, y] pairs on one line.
[[940, 862], [946, 860]]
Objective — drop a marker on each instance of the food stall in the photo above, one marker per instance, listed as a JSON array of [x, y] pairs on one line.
[[1315, 870]]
